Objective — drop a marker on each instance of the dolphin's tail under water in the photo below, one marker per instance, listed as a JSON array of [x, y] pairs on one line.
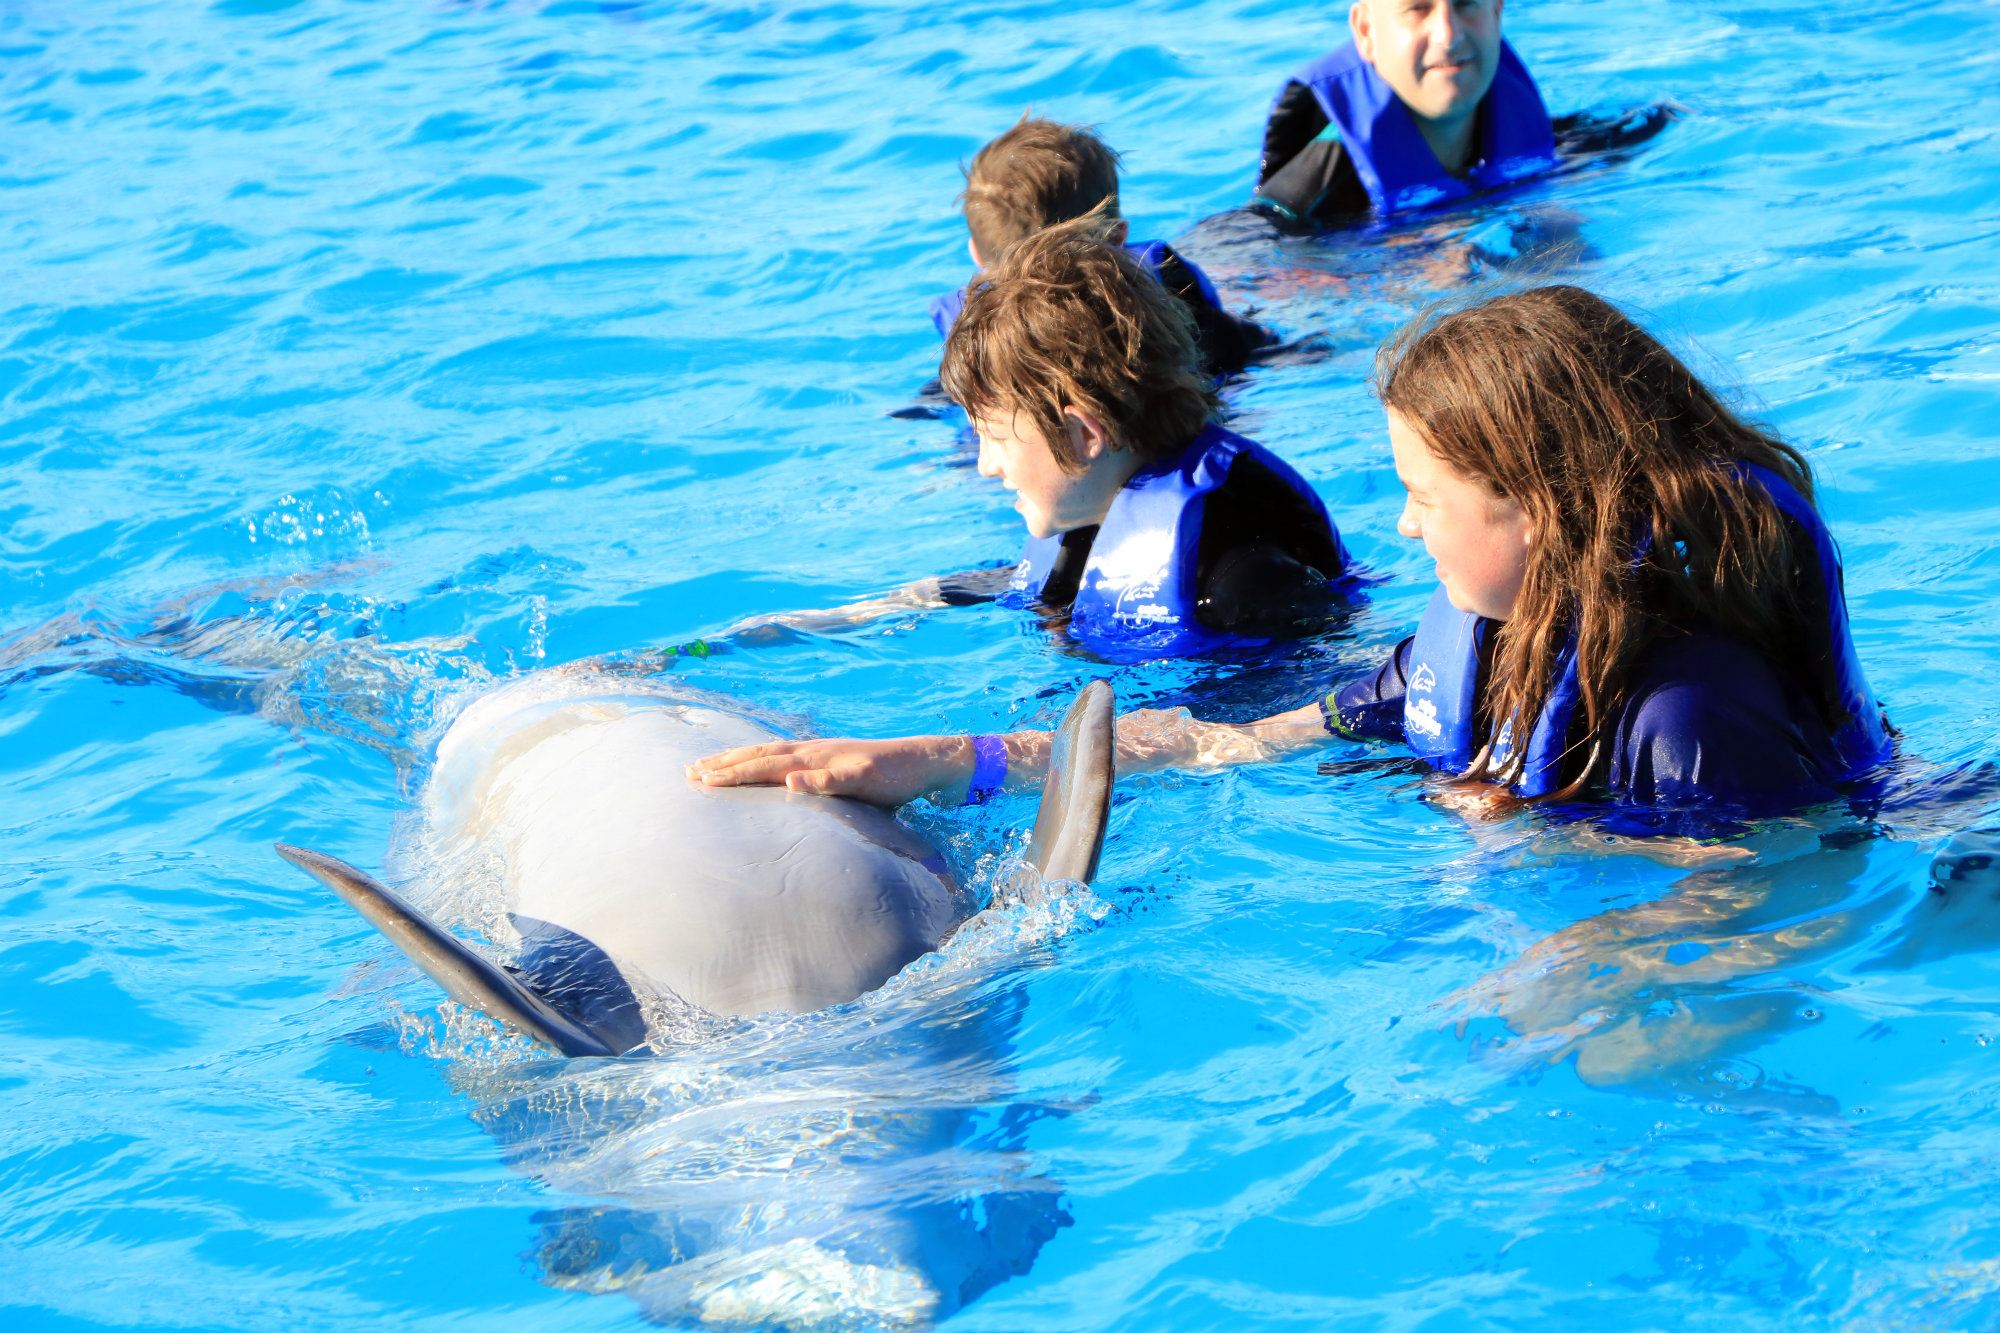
[[1067, 840]]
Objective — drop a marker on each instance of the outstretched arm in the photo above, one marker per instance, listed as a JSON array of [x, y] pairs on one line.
[[891, 772], [961, 589]]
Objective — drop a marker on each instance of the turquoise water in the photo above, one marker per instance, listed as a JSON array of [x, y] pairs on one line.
[[357, 355]]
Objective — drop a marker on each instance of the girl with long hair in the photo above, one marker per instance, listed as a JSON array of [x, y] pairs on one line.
[[1637, 600]]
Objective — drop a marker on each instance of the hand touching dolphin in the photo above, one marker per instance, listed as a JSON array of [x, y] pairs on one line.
[[623, 877]]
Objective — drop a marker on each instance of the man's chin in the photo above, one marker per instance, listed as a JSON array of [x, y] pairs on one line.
[[1453, 99]]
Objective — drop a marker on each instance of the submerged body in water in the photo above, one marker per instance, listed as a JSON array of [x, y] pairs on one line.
[[651, 912]]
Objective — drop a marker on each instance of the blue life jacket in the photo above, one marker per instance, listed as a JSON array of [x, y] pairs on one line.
[[1389, 153], [1440, 707], [946, 309], [1136, 598]]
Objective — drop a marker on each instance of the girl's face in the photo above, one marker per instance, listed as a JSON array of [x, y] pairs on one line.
[[1479, 540]]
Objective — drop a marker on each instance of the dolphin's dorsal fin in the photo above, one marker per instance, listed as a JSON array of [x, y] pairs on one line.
[[1076, 795], [468, 976]]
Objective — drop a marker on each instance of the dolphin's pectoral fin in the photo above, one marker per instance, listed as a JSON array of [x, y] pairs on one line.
[[466, 975], [577, 979], [1076, 796]]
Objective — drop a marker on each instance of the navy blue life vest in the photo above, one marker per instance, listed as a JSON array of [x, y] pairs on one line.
[[1440, 706], [946, 309], [1389, 153], [1136, 598]]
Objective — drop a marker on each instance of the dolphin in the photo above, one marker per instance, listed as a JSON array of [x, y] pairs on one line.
[[1968, 859], [628, 882]]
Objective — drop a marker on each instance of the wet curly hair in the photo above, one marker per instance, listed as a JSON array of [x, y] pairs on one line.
[[1070, 320]]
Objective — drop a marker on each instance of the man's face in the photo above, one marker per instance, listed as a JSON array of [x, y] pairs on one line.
[[1439, 55]]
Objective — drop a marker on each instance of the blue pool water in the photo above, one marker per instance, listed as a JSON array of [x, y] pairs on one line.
[[356, 355]]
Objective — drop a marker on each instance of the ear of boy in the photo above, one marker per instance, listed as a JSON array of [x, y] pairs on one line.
[[1088, 440]]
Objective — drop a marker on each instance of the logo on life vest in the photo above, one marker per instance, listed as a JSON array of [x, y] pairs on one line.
[[1138, 606], [1420, 715]]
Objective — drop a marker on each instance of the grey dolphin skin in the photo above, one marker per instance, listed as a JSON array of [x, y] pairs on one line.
[[1970, 857], [627, 879], [1076, 794]]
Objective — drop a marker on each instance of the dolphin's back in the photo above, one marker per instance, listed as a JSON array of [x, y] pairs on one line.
[[741, 900]]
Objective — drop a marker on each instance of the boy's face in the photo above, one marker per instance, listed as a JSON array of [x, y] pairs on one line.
[[1438, 55], [1051, 500]]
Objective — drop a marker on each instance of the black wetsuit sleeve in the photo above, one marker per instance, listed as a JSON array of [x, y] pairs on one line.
[[971, 587], [1226, 341], [1303, 177], [1371, 708], [1268, 561], [1296, 120], [1585, 133], [1262, 592]]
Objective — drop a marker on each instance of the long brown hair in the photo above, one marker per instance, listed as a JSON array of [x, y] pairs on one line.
[[1624, 463]]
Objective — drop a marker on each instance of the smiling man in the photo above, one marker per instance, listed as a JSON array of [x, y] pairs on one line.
[[1427, 104]]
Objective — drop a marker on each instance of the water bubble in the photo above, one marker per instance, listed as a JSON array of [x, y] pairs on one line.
[[294, 519]]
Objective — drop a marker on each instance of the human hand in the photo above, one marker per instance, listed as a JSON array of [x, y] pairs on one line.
[[890, 772]]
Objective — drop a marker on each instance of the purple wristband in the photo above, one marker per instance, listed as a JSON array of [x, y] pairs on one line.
[[989, 768]]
